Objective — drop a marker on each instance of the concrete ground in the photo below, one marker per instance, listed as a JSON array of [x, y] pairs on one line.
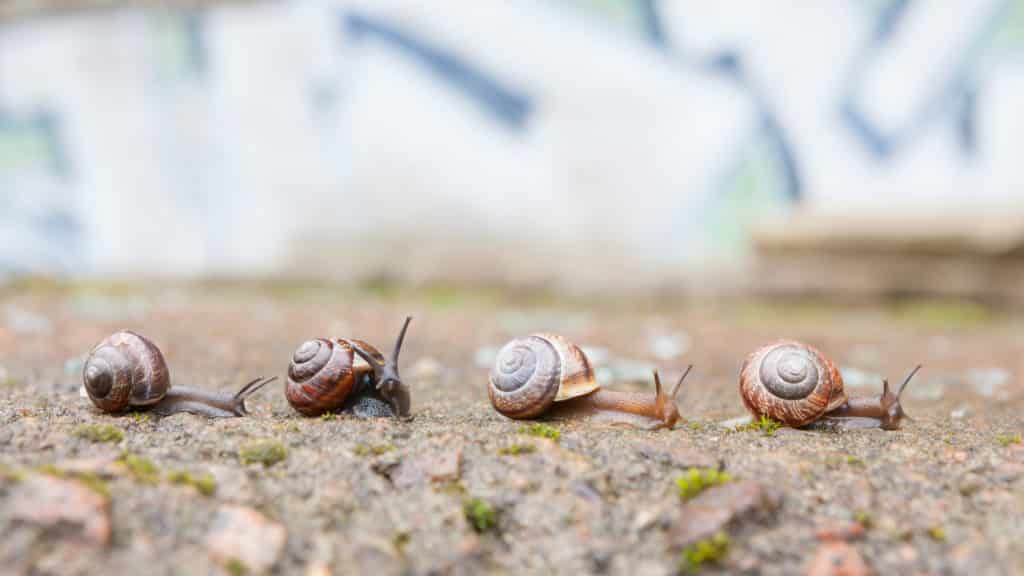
[[461, 489]]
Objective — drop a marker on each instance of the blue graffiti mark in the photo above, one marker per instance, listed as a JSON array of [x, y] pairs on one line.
[[510, 106], [195, 25], [729, 64], [956, 97]]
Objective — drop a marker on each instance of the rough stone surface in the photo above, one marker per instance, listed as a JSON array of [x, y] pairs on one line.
[[939, 496], [713, 510]]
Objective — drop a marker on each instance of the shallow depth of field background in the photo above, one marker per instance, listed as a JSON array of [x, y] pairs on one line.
[[575, 145]]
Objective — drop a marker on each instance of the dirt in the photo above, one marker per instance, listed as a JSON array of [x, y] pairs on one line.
[[461, 489]]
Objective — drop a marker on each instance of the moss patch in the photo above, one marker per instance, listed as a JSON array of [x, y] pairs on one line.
[[516, 449], [764, 424], [90, 480], [236, 567], [480, 515], [541, 431], [368, 450], [696, 480], [204, 484], [266, 452], [100, 433], [710, 551], [1006, 440], [142, 468]]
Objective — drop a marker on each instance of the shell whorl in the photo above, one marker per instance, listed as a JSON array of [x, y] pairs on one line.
[[322, 373], [531, 373], [125, 370], [790, 382]]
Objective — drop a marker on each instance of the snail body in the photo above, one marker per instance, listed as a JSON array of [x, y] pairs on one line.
[[547, 375], [126, 371], [347, 375], [796, 384]]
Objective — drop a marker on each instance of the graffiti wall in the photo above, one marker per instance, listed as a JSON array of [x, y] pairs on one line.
[[554, 136]]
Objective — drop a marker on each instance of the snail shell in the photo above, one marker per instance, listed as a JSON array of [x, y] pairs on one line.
[[790, 382], [125, 370], [531, 373], [323, 373]]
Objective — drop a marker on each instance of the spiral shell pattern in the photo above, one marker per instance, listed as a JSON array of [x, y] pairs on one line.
[[531, 373], [125, 370], [322, 374], [790, 382]]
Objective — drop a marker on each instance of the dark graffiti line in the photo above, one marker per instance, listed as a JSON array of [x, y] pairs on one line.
[[510, 106]]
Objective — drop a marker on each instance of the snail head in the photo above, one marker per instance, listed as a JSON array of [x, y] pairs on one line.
[[388, 382], [892, 411], [665, 405]]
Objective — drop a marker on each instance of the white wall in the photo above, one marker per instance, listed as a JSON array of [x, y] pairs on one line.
[[255, 138]]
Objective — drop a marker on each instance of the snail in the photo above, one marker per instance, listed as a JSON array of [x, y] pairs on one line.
[[797, 385], [545, 374], [127, 371], [347, 375]]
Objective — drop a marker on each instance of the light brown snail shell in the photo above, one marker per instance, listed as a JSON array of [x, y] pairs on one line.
[[533, 372], [790, 382], [125, 370]]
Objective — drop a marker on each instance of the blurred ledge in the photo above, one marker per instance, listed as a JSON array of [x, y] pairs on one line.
[[16, 9], [956, 252]]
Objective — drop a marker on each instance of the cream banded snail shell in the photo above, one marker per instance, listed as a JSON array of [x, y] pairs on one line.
[[546, 374], [347, 375], [127, 371], [795, 384]]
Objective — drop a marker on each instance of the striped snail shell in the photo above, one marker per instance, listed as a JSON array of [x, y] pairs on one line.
[[322, 373], [125, 370], [790, 382], [533, 372]]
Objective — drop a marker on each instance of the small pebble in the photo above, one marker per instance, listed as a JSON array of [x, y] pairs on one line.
[[837, 559], [53, 502], [243, 535]]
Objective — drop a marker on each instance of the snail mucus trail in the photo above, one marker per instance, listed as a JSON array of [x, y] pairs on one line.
[[126, 371]]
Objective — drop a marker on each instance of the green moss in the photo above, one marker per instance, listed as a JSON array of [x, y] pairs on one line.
[[400, 540], [541, 431], [266, 452], [454, 488], [141, 417], [480, 515], [710, 551], [142, 468], [764, 424], [368, 450], [864, 519], [694, 426], [328, 416], [236, 567], [1006, 440], [516, 449], [854, 461], [11, 474], [89, 479], [204, 484], [937, 533], [100, 433], [696, 480]]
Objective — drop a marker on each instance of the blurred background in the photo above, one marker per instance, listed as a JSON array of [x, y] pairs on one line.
[[850, 149]]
